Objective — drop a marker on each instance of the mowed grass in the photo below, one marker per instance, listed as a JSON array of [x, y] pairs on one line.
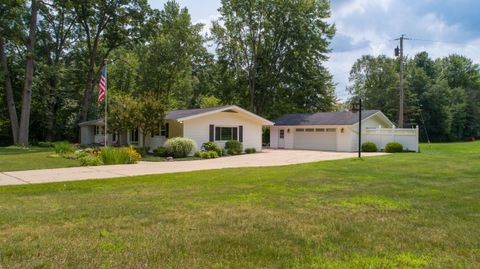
[[398, 211], [17, 158]]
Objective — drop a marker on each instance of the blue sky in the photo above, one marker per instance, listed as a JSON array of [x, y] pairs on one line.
[[440, 27]]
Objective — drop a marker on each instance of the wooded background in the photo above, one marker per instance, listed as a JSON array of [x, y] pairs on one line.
[[265, 55]]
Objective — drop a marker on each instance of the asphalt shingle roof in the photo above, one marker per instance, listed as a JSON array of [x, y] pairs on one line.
[[178, 114], [323, 118]]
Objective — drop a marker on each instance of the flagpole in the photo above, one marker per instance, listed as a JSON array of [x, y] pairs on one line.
[[106, 101]]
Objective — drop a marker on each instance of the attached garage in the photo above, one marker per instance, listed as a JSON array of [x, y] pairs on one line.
[[315, 138], [338, 131]]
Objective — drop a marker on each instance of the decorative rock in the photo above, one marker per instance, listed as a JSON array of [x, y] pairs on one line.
[[169, 159]]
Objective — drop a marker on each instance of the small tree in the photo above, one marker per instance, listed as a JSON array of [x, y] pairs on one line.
[[150, 115]]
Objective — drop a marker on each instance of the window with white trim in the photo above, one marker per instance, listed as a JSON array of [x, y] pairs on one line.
[[309, 129], [226, 133], [321, 130], [299, 130], [331, 130]]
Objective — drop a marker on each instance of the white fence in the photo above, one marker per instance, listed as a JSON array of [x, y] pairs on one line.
[[381, 136]]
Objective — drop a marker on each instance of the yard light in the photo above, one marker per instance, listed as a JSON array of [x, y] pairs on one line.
[[357, 106]]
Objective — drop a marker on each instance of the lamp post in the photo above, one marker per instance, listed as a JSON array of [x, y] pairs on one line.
[[358, 107]]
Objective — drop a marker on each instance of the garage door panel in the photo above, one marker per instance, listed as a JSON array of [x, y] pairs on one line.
[[315, 140]]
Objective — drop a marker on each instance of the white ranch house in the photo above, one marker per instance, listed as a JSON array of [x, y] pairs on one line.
[[217, 124], [338, 131], [330, 131]]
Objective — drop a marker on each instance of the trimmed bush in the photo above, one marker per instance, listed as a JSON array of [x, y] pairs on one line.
[[179, 147], [233, 147], [63, 148], [90, 161], [213, 154], [160, 152], [250, 150], [212, 146], [206, 154], [369, 147], [111, 155], [393, 147]]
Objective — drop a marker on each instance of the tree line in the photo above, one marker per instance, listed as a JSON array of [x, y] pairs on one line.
[[442, 96], [265, 55]]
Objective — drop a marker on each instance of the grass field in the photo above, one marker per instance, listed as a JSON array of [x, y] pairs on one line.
[[398, 211], [18, 158]]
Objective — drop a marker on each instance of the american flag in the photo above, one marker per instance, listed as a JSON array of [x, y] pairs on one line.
[[103, 84]]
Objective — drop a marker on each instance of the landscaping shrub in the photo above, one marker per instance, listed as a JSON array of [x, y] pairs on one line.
[[160, 152], [206, 154], [90, 161], [250, 150], [213, 154], [233, 147], [110, 155], [369, 147], [393, 147], [143, 151], [63, 148], [179, 147], [45, 144], [212, 146]]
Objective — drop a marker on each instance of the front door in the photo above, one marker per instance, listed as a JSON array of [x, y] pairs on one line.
[[281, 138]]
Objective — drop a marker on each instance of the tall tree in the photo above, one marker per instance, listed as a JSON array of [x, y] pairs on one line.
[[55, 37], [168, 60], [106, 25], [11, 27], [275, 50]]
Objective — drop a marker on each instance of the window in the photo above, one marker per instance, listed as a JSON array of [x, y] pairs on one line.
[[225, 133], [331, 130], [309, 130], [98, 130], [163, 130], [134, 136], [282, 134], [299, 130], [320, 130]]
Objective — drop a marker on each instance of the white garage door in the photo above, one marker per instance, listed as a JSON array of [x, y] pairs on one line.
[[315, 138]]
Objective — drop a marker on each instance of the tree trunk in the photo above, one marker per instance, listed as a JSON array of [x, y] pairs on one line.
[[89, 85], [12, 111], [27, 88]]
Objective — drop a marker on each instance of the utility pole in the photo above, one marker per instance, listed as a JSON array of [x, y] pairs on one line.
[[399, 52]]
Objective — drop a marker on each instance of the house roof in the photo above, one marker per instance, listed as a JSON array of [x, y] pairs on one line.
[[187, 114], [324, 118], [179, 114]]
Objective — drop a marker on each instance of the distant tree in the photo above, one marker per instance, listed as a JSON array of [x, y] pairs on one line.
[[442, 96], [274, 51], [375, 80], [209, 101]]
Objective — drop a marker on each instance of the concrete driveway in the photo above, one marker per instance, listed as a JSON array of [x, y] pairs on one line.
[[265, 158]]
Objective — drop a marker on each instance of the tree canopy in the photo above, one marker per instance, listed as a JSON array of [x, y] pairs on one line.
[[442, 95]]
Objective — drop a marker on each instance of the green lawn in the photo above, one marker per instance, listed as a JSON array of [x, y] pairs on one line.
[[398, 211], [17, 158]]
